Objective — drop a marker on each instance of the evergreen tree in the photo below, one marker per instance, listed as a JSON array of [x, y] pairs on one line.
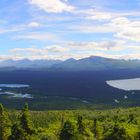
[[81, 128], [5, 124], [25, 121], [95, 130], [23, 130], [17, 133], [118, 133], [131, 118], [68, 131]]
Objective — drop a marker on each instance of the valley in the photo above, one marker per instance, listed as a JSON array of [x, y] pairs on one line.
[[66, 90]]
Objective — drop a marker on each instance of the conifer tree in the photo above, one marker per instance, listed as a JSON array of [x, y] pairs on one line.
[[68, 131], [5, 124], [17, 133], [131, 118], [81, 128], [25, 120], [23, 130], [84, 132], [118, 133], [95, 131]]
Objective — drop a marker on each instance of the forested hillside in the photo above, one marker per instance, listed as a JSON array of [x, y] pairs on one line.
[[117, 124]]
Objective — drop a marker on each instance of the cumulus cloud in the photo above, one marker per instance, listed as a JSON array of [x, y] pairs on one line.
[[127, 29], [123, 25], [52, 6]]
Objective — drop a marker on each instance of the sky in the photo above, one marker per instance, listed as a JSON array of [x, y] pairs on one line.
[[63, 29]]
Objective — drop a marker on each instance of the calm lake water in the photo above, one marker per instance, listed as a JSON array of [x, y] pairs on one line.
[[125, 84], [14, 85]]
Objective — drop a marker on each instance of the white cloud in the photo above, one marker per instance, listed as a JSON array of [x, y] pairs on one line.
[[70, 55], [56, 49], [78, 50], [104, 15], [34, 25], [20, 27], [126, 28], [92, 28], [121, 27], [36, 36], [114, 45], [52, 6], [38, 52], [10, 29], [99, 15], [130, 56], [59, 52]]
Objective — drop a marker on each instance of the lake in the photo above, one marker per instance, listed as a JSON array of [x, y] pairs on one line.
[[14, 85], [125, 84]]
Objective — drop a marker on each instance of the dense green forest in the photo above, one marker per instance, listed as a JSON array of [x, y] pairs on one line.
[[116, 124]]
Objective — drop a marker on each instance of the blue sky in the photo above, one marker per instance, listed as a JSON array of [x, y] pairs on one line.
[[61, 29]]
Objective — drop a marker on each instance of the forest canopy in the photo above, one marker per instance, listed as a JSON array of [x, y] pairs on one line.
[[116, 124]]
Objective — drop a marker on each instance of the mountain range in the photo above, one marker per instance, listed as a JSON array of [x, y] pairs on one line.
[[84, 64]]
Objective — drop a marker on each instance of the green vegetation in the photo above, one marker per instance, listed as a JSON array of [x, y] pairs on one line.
[[115, 124], [5, 124]]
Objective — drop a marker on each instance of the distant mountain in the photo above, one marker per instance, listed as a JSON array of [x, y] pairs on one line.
[[26, 63], [97, 63], [84, 64]]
